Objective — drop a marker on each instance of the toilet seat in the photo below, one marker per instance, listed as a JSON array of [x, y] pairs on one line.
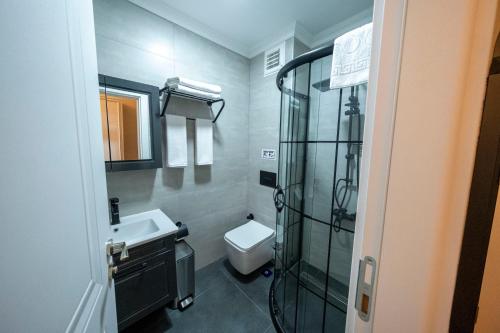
[[249, 235]]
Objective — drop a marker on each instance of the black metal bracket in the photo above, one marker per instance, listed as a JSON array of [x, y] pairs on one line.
[[279, 198], [171, 92]]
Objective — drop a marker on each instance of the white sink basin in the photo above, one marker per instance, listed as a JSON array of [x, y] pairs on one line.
[[141, 228]]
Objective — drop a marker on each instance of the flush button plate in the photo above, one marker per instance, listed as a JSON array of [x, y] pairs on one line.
[[268, 178]]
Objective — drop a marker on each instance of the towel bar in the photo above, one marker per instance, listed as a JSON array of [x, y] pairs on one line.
[[171, 92]]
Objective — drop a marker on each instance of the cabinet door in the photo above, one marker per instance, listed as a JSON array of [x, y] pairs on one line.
[[145, 290]]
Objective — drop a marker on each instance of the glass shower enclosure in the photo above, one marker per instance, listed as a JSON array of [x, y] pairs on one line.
[[321, 137]]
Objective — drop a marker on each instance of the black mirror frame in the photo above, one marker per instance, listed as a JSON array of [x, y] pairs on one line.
[[154, 117]]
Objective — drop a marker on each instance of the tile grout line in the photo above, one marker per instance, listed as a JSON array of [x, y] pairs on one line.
[[218, 269], [209, 288], [269, 329], [245, 294]]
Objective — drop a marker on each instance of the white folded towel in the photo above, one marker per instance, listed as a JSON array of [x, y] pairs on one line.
[[206, 87], [204, 145], [192, 91], [176, 141], [351, 57]]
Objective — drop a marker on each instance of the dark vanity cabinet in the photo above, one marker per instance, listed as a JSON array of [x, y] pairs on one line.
[[146, 281]]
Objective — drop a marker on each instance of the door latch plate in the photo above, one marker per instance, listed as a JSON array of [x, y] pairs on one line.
[[364, 293]]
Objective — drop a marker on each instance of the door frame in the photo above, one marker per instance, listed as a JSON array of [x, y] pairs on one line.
[[480, 212], [389, 17]]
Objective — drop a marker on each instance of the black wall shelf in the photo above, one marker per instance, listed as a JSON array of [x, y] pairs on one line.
[[172, 92]]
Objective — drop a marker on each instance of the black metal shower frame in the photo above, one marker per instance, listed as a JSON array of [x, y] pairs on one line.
[[307, 58]]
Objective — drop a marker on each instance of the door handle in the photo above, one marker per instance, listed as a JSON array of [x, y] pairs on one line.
[[120, 247], [112, 270], [114, 248]]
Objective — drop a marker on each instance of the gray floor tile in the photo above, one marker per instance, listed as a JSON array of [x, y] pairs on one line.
[[255, 285], [208, 277], [222, 308], [270, 329], [225, 301]]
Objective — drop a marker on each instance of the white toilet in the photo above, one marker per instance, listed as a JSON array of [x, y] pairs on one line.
[[249, 246]]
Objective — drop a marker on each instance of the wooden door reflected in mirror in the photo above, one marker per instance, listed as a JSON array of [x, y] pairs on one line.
[[120, 121], [130, 124]]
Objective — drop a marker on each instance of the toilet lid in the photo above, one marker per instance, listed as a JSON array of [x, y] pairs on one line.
[[249, 235]]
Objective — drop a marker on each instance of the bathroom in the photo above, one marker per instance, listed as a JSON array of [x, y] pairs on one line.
[[233, 166], [138, 45]]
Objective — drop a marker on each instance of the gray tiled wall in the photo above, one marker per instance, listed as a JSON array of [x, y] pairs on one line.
[[135, 44], [263, 123], [299, 48]]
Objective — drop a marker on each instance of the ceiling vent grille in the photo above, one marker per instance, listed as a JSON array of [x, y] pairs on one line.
[[274, 59]]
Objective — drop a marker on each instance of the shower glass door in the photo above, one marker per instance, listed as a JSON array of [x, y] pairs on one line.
[[320, 151], [293, 150]]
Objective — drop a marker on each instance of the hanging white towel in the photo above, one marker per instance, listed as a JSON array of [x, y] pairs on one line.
[[192, 91], [351, 57], [206, 87], [204, 145], [176, 141]]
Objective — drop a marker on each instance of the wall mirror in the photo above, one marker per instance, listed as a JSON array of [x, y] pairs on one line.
[[130, 117]]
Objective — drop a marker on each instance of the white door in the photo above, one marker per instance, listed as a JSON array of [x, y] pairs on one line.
[[388, 27], [53, 202], [426, 209]]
